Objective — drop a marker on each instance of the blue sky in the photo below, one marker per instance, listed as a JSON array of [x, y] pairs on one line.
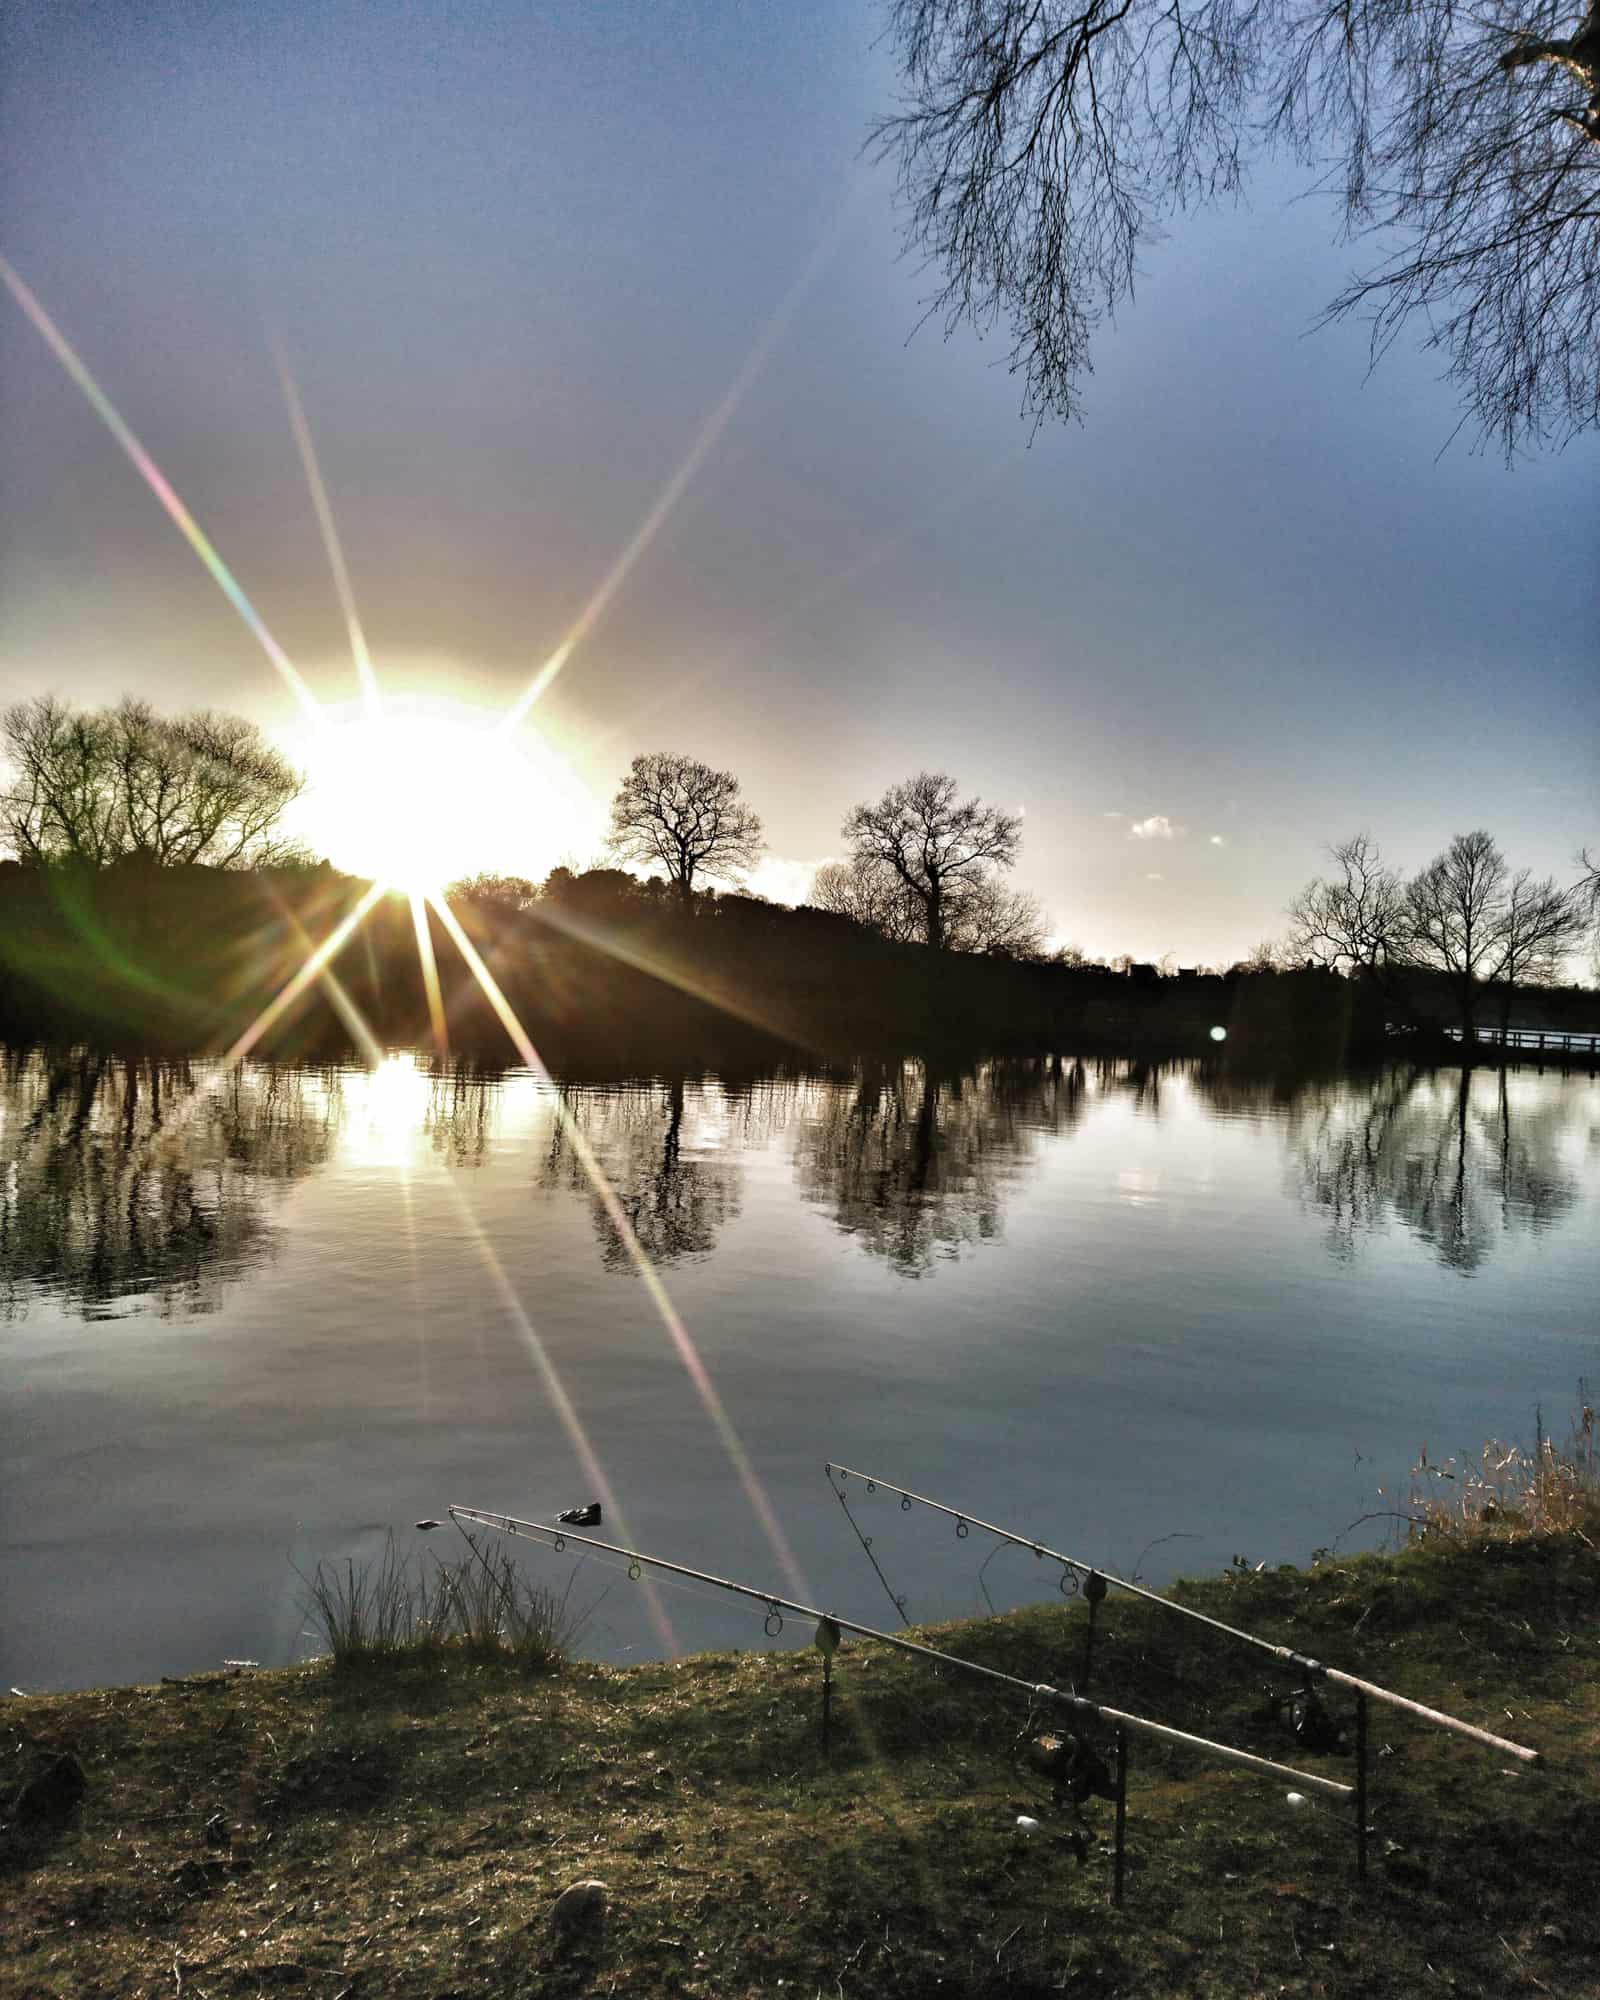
[[516, 256]]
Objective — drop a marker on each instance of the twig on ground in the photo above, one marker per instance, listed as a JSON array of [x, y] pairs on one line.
[[1521, 1966]]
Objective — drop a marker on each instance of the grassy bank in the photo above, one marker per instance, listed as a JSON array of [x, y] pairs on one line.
[[405, 1829]]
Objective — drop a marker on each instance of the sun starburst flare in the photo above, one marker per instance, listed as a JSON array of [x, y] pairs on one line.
[[157, 481], [701, 446], [330, 534], [317, 961], [617, 1216], [410, 782]]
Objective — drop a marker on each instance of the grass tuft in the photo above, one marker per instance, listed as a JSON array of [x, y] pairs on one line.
[[480, 1606], [1511, 1493]]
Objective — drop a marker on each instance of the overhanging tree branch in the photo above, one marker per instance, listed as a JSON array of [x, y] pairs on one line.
[[1042, 145]]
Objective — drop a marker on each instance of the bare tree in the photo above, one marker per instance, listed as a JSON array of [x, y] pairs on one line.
[[933, 843], [1354, 920], [1042, 144], [103, 785], [57, 805], [868, 892], [685, 817], [984, 915], [1587, 891], [199, 788], [1536, 925], [1267, 956], [980, 913], [1455, 912]]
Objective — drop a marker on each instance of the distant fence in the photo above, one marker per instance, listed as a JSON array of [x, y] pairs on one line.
[[1550, 1040]]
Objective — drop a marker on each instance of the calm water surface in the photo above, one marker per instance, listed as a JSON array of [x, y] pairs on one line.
[[255, 1320]]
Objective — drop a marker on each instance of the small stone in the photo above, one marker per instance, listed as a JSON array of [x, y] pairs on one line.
[[52, 1793], [578, 1905], [198, 1878]]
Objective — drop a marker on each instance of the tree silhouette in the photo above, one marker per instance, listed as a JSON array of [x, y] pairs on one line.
[[934, 844], [1044, 143], [984, 915], [687, 818], [1465, 915], [1355, 920], [506, 894], [868, 892], [1537, 924]]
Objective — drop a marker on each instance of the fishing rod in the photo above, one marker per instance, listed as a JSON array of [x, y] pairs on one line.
[[1302, 1662], [890, 1592], [559, 1538]]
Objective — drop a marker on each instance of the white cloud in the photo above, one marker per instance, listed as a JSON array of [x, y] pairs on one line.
[[1156, 827], [1113, 815], [778, 880], [1217, 840], [1153, 877]]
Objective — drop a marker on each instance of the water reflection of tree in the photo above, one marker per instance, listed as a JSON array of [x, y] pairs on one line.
[[459, 1117], [664, 1148], [913, 1160], [1459, 1160], [131, 1178]]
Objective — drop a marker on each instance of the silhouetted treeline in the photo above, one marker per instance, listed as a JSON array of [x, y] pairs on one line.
[[599, 965]]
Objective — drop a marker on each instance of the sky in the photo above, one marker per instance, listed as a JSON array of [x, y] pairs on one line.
[[533, 268]]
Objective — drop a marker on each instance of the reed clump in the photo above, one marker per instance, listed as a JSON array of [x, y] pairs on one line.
[[478, 1606], [1513, 1492]]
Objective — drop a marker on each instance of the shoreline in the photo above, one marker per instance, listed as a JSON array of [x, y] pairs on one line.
[[406, 1828]]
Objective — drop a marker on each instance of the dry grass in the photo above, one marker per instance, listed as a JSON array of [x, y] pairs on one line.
[[402, 1833], [480, 1605], [1512, 1492]]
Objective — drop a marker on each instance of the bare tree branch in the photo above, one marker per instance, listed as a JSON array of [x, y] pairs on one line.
[[1043, 144], [869, 893], [107, 784], [1355, 920]]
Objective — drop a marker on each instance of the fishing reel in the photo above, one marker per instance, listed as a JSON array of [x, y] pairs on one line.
[[1077, 1773], [1308, 1719]]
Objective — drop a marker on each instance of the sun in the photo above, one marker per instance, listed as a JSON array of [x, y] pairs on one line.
[[431, 789]]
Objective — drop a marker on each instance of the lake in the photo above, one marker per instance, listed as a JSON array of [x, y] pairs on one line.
[[1158, 1316]]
